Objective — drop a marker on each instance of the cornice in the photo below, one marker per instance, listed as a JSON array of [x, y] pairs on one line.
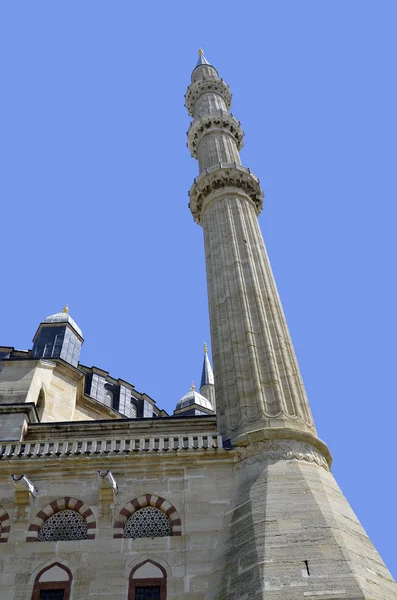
[[28, 408], [123, 427], [278, 449], [281, 434], [120, 447]]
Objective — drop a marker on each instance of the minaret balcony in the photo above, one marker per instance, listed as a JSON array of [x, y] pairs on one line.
[[220, 121], [207, 85], [224, 178]]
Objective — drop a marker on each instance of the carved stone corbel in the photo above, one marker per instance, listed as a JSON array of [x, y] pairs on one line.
[[107, 494], [24, 493]]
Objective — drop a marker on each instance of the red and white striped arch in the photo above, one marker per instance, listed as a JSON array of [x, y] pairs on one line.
[[5, 525], [56, 506], [141, 502]]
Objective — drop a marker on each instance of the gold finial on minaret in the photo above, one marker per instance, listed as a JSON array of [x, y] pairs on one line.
[[192, 387], [205, 348], [66, 309], [200, 52]]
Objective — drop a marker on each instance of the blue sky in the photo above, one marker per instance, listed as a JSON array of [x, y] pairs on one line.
[[93, 198]]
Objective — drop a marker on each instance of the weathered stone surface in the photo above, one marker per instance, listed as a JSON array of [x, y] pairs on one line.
[[197, 485], [290, 533]]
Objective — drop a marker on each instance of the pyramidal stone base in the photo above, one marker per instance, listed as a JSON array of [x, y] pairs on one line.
[[290, 533]]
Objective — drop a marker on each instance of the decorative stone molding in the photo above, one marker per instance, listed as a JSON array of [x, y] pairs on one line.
[[147, 557], [204, 86], [48, 564], [218, 120], [222, 176], [56, 506], [141, 502], [4, 525], [114, 447], [280, 450]]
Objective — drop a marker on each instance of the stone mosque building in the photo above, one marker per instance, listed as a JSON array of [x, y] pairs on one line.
[[104, 496]]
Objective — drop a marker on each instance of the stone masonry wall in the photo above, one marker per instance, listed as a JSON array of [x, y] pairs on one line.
[[197, 486]]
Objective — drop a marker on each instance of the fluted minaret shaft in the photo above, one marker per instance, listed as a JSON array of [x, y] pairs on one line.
[[257, 380]]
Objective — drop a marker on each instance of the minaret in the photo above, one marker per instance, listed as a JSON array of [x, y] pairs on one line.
[[289, 532], [207, 387], [258, 384]]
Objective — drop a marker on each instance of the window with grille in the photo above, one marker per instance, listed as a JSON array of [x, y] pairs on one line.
[[52, 594], [148, 522], [151, 592], [63, 526]]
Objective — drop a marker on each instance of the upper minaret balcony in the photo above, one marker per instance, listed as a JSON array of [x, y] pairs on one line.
[[215, 138], [208, 92]]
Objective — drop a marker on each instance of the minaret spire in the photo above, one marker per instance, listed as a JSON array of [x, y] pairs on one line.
[[257, 380], [201, 59], [207, 388]]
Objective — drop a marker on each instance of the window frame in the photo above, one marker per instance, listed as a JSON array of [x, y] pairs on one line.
[[52, 585], [160, 582]]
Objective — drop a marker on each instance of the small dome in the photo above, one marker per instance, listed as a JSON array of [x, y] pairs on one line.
[[194, 397], [64, 317]]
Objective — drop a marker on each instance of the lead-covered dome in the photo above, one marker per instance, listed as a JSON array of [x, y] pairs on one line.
[[64, 317], [192, 398]]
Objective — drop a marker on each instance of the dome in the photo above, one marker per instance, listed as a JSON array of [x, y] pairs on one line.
[[64, 317], [194, 397]]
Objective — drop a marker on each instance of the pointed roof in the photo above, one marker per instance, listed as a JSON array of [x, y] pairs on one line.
[[201, 59], [193, 397], [207, 375]]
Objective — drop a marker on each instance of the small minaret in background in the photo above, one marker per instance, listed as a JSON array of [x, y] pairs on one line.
[[289, 532], [207, 387]]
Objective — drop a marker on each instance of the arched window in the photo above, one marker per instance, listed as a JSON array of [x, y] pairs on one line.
[[148, 581], [62, 520], [64, 525], [108, 397], [148, 522], [147, 516], [53, 583]]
